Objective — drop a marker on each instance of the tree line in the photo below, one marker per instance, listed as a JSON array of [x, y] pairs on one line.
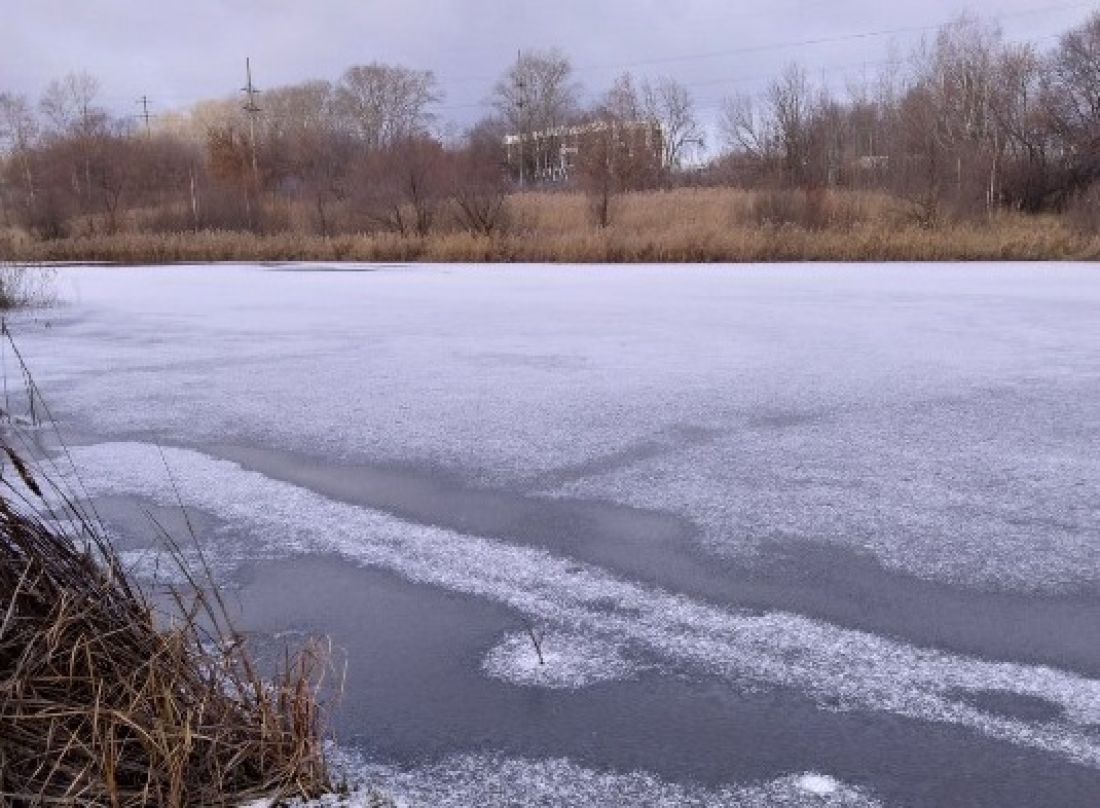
[[967, 125]]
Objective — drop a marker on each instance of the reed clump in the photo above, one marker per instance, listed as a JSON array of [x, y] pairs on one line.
[[685, 225], [106, 700], [22, 285]]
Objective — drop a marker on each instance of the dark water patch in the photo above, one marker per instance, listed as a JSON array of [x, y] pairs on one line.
[[415, 694], [1007, 704], [330, 268], [672, 439], [139, 524], [579, 528], [786, 419], [826, 582], [855, 590]]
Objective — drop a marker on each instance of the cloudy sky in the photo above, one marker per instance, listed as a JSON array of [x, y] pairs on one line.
[[181, 51]]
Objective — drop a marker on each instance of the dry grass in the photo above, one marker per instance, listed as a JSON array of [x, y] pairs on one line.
[[108, 701], [705, 225], [103, 703], [22, 285]]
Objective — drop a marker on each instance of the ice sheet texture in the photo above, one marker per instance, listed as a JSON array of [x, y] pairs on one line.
[[941, 417], [463, 781], [843, 668]]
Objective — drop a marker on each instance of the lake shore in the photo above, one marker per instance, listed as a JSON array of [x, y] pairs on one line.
[[679, 226]]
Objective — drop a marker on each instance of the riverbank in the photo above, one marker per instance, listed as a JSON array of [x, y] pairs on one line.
[[682, 226]]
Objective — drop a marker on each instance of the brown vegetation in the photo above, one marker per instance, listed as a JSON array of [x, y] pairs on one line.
[[686, 225], [979, 148], [22, 285], [106, 701]]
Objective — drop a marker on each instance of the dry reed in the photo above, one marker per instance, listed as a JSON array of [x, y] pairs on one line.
[[22, 285], [106, 700], [678, 226]]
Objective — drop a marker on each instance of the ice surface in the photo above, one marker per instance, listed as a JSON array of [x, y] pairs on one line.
[[569, 661], [942, 418], [820, 785], [464, 781], [843, 667]]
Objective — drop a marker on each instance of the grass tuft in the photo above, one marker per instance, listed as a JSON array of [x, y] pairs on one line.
[[108, 701]]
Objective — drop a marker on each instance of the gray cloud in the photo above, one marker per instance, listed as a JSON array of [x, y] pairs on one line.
[[183, 51]]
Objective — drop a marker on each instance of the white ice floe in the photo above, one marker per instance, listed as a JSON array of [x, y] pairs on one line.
[[940, 418], [494, 782], [820, 785], [846, 668], [568, 661]]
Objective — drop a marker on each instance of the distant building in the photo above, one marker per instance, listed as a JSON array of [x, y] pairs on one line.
[[552, 155], [872, 162]]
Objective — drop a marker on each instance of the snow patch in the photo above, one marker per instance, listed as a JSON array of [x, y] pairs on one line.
[[469, 780], [569, 661], [820, 785]]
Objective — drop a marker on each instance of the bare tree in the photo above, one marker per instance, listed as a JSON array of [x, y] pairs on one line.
[[320, 164], [790, 108], [383, 104], [617, 156], [538, 92], [69, 105], [1072, 104], [537, 95], [920, 170], [775, 132], [113, 164], [404, 186], [299, 108], [745, 129], [670, 104], [480, 188], [1025, 174], [18, 130], [229, 162], [623, 100], [957, 76], [69, 108]]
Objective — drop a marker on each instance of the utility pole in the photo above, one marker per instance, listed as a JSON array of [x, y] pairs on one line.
[[521, 106], [144, 101], [251, 109]]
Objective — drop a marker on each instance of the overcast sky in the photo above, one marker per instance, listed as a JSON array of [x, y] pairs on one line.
[[178, 52]]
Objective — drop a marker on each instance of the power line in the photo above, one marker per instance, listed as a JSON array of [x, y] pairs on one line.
[[251, 92], [251, 109], [521, 107], [741, 79], [828, 40], [144, 101], [797, 43]]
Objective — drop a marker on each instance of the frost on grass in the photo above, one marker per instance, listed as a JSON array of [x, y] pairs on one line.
[[477, 780], [569, 661], [840, 667]]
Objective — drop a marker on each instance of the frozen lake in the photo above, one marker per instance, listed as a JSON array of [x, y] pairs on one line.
[[796, 535]]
